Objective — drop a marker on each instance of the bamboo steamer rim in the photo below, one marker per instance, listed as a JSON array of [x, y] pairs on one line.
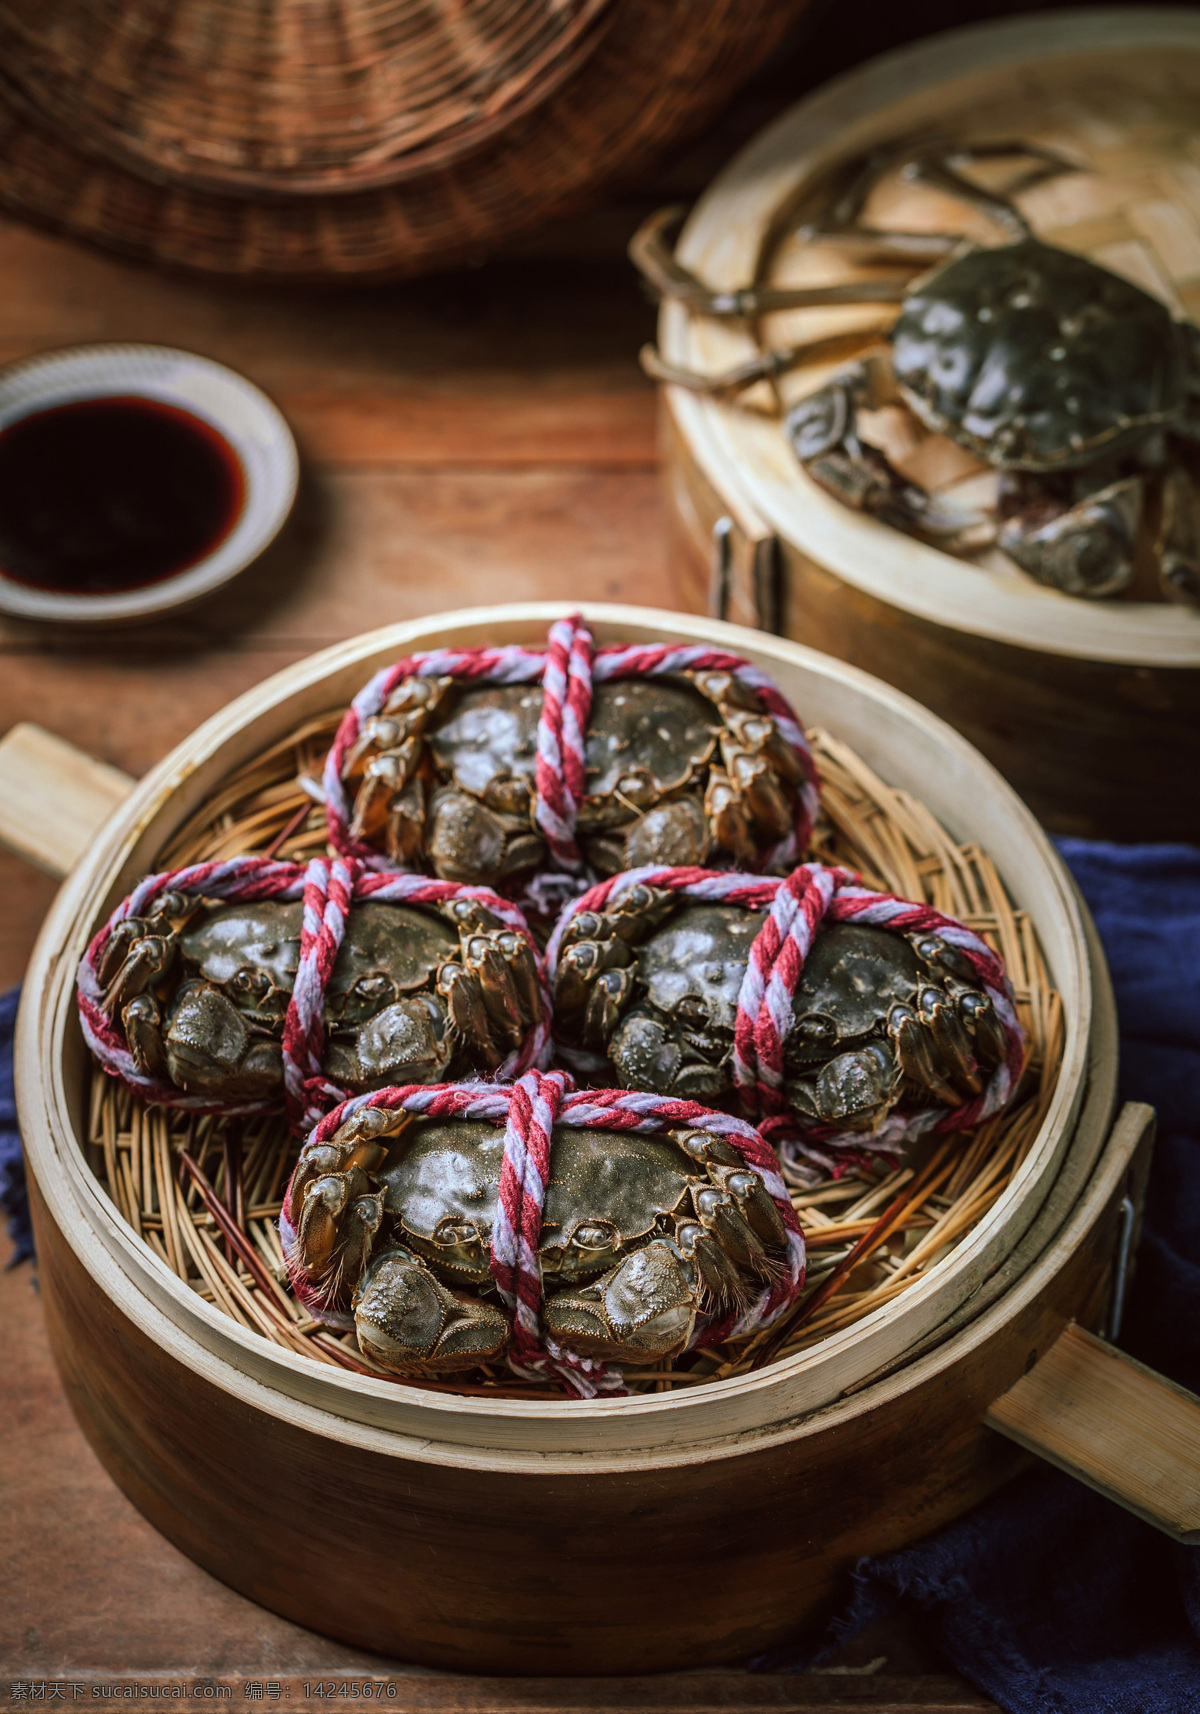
[[601, 1433], [745, 457]]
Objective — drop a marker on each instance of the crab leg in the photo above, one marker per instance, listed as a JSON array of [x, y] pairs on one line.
[[147, 957], [142, 1019], [951, 1042], [406, 823], [720, 1278], [937, 167], [339, 1218], [767, 366], [668, 278], [915, 1057], [385, 777], [469, 1018], [1178, 545], [824, 436], [486, 965]]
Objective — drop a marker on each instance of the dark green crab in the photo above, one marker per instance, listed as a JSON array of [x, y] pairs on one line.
[[416, 994], [640, 1234], [1077, 387], [652, 985]]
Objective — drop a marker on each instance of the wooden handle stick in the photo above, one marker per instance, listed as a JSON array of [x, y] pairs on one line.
[[54, 799], [1110, 1422]]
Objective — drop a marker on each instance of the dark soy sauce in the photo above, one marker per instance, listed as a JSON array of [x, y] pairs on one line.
[[112, 494]]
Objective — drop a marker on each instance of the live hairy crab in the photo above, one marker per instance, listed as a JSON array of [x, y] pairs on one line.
[[681, 768], [641, 1233], [1079, 389], [652, 984], [416, 994]]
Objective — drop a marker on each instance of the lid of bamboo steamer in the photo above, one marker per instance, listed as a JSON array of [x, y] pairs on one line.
[[1116, 90], [293, 141], [915, 752]]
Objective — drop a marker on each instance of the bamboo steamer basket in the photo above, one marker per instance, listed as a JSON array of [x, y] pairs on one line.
[[618, 1535], [1090, 708], [288, 141]]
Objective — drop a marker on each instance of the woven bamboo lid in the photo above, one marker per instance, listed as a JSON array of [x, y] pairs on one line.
[[288, 97], [292, 139]]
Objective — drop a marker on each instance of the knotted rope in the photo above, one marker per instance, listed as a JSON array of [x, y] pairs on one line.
[[328, 889], [794, 911], [567, 669], [529, 1110]]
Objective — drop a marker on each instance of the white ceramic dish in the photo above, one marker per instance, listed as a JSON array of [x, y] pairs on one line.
[[253, 427]]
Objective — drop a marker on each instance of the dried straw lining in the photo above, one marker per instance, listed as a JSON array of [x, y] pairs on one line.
[[871, 1234]]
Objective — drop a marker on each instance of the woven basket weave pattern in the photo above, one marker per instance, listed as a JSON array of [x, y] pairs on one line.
[[279, 141]]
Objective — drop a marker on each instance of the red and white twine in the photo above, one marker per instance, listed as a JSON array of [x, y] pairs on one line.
[[328, 889], [794, 910], [529, 1111], [567, 669]]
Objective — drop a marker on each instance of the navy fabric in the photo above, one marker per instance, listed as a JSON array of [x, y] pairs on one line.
[[1050, 1598], [13, 1198]]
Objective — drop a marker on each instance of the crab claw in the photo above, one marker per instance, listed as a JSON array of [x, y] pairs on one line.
[[855, 1090], [408, 1322], [405, 1043], [210, 1047], [1087, 550], [647, 1056], [675, 834], [641, 1311], [469, 842]]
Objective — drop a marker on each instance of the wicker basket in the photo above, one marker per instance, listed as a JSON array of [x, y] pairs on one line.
[[291, 141]]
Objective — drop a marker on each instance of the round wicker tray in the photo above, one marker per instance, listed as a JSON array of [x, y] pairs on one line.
[[287, 141]]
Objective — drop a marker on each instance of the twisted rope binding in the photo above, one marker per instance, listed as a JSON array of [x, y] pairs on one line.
[[529, 1111], [328, 889], [795, 909], [567, 669]]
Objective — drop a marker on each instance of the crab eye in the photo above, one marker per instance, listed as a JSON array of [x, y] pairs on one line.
[[816, 1028], [691, 1010], [598, 1235], [454, 1231], [374, 987], [248, 981]]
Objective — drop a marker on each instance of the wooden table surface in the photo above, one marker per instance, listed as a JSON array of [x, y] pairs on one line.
[[478, 437]]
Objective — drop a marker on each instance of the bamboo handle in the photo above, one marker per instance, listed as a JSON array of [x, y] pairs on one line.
[[54, 799], [1114, 1424]]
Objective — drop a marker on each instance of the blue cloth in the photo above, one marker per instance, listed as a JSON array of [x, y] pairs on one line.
[[1049, 1598], [13, 1197]]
